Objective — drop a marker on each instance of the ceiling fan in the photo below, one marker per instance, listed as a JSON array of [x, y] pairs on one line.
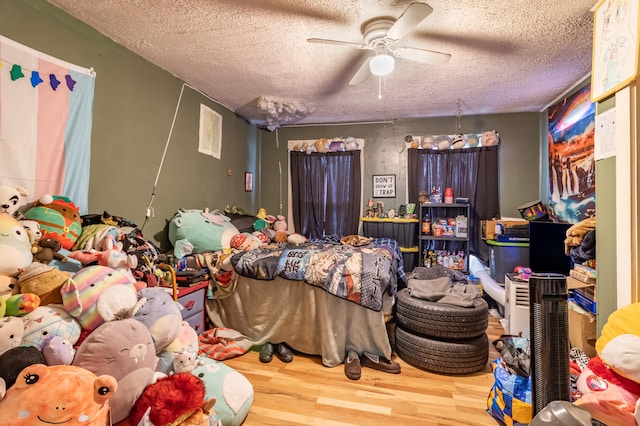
[[381, 35]]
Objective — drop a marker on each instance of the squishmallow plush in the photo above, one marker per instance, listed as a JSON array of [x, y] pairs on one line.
[[47, 321], [490, 138], [59, 218], [123, 349], [198, 231], [43, 280], [11, 332], [185, 341], [80, 294], [231, 390], [15, 246], [60, 394], [14, 360], [160, 314]]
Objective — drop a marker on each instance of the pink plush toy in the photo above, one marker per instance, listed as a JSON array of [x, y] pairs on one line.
[[112, 256]]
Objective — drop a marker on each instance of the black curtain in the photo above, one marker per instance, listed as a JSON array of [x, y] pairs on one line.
[[325, 191], [471, 173]]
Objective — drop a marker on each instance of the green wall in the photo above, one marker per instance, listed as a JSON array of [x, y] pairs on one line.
[[384, 153], [134, 106]]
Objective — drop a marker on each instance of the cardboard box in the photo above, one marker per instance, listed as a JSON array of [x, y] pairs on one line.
[[582, 331], [489, 226]]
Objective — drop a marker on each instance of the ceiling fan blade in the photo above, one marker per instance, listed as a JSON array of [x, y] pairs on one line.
[[362, 73], [410, 18], [338, 42], [421, 55]]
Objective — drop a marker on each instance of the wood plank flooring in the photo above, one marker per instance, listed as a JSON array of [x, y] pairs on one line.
[[304, 392]]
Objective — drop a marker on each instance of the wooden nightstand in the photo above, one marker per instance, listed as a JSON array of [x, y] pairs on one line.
[[192, 299]]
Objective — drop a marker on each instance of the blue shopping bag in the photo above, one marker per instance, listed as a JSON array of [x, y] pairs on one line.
[[509, 399]]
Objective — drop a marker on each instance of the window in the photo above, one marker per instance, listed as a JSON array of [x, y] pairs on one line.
[[326, 192]]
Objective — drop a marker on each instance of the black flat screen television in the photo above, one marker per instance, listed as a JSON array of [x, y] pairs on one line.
[[546, 247]]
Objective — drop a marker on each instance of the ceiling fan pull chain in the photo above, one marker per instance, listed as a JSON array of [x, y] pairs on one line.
[[379, 87]]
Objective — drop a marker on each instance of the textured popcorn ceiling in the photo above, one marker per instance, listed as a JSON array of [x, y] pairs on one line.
[[506, 55]]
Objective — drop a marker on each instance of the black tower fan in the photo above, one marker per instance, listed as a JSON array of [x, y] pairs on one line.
[[549, 328]]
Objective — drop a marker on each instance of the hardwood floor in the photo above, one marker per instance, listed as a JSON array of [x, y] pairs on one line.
[[304, 392]]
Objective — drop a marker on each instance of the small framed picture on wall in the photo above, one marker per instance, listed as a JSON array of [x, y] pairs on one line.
[[248, 181], [384, 186]]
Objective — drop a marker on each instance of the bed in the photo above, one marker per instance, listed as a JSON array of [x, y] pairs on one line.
[[322, 298]]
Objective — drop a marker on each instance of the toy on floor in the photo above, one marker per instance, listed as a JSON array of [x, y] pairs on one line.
[[58, 394], [123, 349], [14, 360], [47, 321], [178, 399]]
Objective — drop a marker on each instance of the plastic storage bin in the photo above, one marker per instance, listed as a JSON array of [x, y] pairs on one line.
[[404, 231], [505, 257]]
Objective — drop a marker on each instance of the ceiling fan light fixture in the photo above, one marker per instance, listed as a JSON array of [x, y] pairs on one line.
[[382, 64]]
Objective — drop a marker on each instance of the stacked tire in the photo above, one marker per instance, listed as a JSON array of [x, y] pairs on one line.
[[440, 337]]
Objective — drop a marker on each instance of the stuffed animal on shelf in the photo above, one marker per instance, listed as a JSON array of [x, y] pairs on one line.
[[48, 249], [11, 199], [15, 246], [59, 394], [490, 138]]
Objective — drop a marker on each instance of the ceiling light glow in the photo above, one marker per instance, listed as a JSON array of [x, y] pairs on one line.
[[381, 64]]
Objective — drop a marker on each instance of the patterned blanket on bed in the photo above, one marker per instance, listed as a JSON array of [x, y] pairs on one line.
[[359, 274]]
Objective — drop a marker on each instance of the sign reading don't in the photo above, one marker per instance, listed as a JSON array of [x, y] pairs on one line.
[[384, 186]]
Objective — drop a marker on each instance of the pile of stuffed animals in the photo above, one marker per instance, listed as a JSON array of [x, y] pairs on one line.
[[608, 386], [84, 340]]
